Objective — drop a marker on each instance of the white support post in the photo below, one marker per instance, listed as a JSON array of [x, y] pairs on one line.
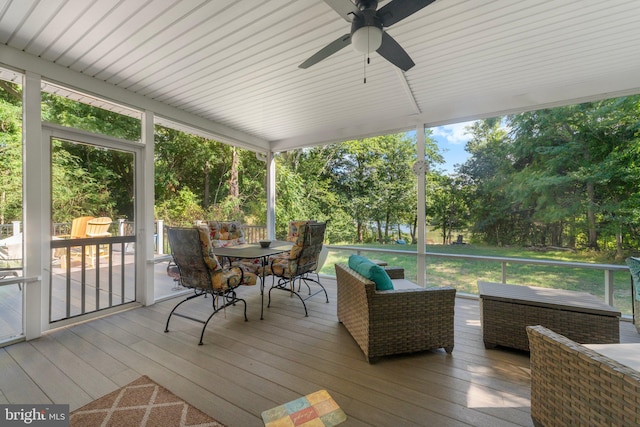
[[271, 196], [421, 224], [145, 227], [16, 227], [36, 186], [608, 287], [160, 237], [504, 272]]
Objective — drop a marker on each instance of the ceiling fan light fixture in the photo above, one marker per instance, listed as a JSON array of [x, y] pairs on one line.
[[367, 39]]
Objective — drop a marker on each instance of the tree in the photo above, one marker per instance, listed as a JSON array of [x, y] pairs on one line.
[[10, 153], [486, 175], [230, 181], [76, 192], [447, 205], [568, 165]]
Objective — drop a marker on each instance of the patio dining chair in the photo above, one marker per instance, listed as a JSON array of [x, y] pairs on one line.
[[199, 269], [300, 266], [295, 227]]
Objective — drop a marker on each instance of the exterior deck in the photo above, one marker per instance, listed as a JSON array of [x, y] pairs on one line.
[[245, 368]]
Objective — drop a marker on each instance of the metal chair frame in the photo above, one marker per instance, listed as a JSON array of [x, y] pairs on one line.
[[195, 274], [302, 274]]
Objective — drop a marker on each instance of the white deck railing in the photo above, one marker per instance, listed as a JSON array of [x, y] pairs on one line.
[[607, 269]]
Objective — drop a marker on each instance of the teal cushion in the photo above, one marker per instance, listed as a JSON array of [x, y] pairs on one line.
[[371, 271], [356, 260]]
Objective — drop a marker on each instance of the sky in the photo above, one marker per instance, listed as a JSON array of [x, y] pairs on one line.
[[452, 139]]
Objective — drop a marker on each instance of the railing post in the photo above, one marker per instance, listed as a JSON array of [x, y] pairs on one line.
[[160, 236], [16, 227], [120, 226], [504, 272], [608, 287]]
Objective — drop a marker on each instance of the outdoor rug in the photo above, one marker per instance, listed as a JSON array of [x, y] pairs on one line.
[[141, 403], [313, 410]]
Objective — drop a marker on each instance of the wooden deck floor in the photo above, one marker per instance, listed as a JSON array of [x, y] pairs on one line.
[[245, 368]]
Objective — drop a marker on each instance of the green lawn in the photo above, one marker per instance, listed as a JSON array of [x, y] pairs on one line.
[[464, 274]]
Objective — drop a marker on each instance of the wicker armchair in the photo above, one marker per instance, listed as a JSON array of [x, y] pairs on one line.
[[394, 321], [575, 385]]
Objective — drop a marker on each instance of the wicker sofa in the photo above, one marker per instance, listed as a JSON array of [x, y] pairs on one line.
[[403, 320], [575, 385]]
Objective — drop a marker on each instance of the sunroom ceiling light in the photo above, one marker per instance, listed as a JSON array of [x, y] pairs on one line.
[[367, 39]]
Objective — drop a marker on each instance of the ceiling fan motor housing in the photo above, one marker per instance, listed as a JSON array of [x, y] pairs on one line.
[[366, 18]]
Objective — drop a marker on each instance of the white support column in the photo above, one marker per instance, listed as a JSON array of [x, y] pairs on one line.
[[145, 227], [609, 288], [16, 227], [421, 224], [271, 195], [36, 209], [160, 238]]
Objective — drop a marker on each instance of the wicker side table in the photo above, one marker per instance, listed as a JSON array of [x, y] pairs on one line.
[[506, 311]]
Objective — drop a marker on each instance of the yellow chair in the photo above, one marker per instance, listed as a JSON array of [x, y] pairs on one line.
[[78, 231], [78, 228], [97, 227]]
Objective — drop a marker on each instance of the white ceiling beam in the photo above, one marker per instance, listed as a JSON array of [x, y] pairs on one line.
[[357, 131], [405, 85]]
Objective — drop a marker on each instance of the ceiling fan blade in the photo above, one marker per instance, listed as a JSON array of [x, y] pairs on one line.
[[394, 53], [327, 51], [344, 8], [397, 10]]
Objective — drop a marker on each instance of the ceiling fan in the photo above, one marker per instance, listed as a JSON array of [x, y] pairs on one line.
[[367, 24]]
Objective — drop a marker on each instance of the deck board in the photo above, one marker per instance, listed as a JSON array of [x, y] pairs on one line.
[[244, 368]]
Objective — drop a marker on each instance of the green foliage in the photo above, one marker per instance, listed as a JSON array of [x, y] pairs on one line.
[[66, 112], [374, 185], [229, 208], [10, 155], [556, 177], [204, 167], [447, 206], [561, 177], [75, 191], [180, 210]]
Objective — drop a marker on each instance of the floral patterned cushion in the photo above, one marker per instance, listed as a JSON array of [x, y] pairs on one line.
[[303, 256], [250, 270], [294, 229], [230, 277], [207, 248], [186, 254], [225, 278], [225, 233]]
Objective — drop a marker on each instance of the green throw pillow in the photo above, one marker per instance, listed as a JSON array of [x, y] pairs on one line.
[[356, 260], [371, 271]]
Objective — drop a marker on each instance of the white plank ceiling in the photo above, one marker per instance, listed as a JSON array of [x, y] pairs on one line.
[[231, 66]]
